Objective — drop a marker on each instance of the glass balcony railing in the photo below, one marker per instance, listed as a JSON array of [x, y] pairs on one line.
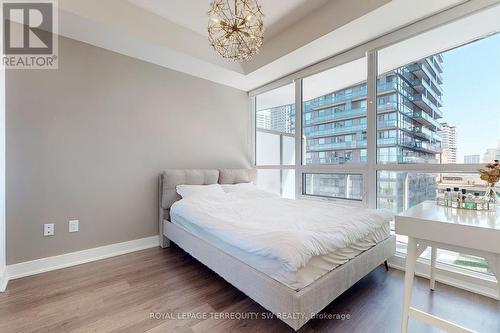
[[335, 116], [348, 114], [423, 70], [330, 100], [337, 145], [429, 147], [387, 141], [361, 91], [424, 132], [387, 86], [437, 89], [386, 123], [425, 119], [432, 147], [400, 159], [422, 82], [387, 106], [434, 65], [309, 132], [423, 101]]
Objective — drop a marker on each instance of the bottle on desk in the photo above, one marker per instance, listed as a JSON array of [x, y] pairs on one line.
[[447, 197], [469, 202], [443, 199], [455, 198], [478, 201], [482, 203], [462, 196]]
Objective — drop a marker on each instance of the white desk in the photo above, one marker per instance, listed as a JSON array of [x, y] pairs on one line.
[[465, 231]]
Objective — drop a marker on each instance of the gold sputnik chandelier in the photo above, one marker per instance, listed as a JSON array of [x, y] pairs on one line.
[[236, 28]]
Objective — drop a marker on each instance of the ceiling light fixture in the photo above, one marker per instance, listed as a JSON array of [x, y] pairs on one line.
[[236, 30]]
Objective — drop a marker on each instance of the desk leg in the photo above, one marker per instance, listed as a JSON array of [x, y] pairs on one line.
[[411, 260], [497, 273], [433, 267]]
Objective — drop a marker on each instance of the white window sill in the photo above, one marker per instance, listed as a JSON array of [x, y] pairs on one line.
[[454, 276]]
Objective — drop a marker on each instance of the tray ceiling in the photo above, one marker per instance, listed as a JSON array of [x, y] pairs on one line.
[[299, 33]]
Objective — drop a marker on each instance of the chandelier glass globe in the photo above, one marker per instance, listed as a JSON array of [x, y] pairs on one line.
[[236, 28]]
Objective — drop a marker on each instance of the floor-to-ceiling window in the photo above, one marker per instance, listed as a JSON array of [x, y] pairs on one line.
[[275, 139], [334, 132], [446, 117], [389, 127]]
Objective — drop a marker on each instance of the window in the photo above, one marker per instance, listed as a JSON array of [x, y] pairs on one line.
[[436, 124], [345, 186], [435, 105], [269, 180], [396, 127], [436, 102], [400, 190], [275, 127], [334, 115], [275, 139]]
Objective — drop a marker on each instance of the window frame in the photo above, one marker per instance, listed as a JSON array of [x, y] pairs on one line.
[[350, 200], [475, 282], [369, 50], [368, 170]]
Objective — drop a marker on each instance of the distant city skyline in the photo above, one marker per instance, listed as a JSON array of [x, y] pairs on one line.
[[449, 143], [492, 154]]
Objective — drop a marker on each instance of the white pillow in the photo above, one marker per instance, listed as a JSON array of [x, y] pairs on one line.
[[186, 191], [240, 187]]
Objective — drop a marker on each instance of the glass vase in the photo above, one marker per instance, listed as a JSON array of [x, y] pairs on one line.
[[491, 194]]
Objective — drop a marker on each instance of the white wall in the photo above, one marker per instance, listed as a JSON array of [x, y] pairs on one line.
[[3, 279]]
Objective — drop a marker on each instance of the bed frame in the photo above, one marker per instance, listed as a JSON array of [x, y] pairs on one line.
[[293, 307]]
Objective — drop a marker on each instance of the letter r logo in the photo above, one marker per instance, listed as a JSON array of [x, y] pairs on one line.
[[28, 27]]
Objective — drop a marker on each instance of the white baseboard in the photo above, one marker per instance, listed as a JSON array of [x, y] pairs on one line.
[[37, 266]]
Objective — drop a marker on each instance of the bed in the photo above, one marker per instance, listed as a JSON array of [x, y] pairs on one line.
[[269, 256]]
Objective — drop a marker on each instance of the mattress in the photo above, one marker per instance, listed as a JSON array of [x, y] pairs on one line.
[[313, 270]]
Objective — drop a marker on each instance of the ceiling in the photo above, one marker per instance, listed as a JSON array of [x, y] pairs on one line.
[[192, 14], [299, 33]]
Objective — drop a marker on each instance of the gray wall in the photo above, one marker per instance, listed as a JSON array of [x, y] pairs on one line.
[[87, 142], [2, 180]]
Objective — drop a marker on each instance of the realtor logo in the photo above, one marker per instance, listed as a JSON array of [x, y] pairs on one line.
[[29, 34]]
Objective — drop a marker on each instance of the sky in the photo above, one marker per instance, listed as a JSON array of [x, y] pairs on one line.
[[471, 98]]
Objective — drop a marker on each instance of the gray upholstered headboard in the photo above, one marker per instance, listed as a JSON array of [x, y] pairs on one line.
[[169, 180]]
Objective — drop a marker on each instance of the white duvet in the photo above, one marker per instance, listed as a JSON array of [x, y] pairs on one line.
[[291, 231]]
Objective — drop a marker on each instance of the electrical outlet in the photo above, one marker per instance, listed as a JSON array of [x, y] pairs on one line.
[[73, 225], [48, 229]]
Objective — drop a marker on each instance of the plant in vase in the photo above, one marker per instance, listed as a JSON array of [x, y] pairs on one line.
[[491, 174]]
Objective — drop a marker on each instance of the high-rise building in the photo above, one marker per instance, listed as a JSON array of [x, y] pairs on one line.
[[408, 110], [408, 105], [408, 130], [492, 154], [472, 159], [280, 119], [449, 143], [263, 119], [283, 119]]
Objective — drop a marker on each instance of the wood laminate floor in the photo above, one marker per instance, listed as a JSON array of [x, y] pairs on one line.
[[121, 294]]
